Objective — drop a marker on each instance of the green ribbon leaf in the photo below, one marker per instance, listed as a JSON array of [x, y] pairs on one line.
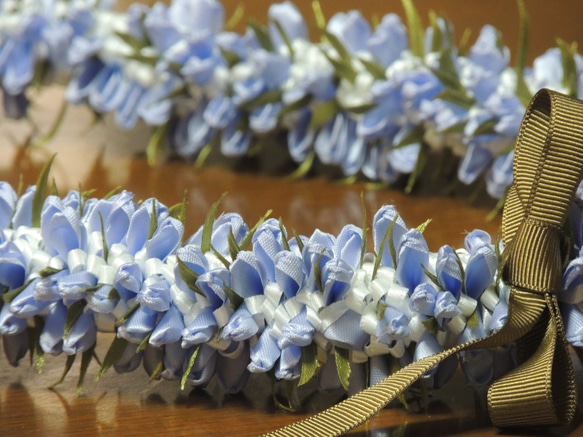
[[145, 59], [40, 74], [438, 37], [318, 14], [38, 199], [85, 361], [188, 276], [234, 248], [415, 28], [231, 58], [234, 298], [236, 17], [342, 68], [270, 96], [103, 239], [447, 72], [486, 127], [157, 370], [207, 229], [153, 221], [10, 295], [456, 128], [131, 41], [48, 271], [419, 166], [387, 238], [318, 272], [414, 136], [113, 192], [249, 235], [55, 192], [360, 109], [55, 126], [113, 294], [462, 271], [36, 351], [189, 366], [302, 102], [323, 112], [342, 357], [156, 143], [433, 278], [309, 362], [457, 97], [381, 308], [473, 321], [431, 325], [522, 91], [464, 42], [570, 77], [286, 403], [124, 317], [221, 258], [304, 168], [374, 68], [421, 228], [364, 229], [145, 341], [113, 355], [343, 53], [90, 289], [299, 241], [74, 311], [68, 365], [203, 154], [262, 35], [178, 211], [284, 241], [285, 37]]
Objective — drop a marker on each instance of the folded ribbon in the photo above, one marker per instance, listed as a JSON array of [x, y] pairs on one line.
[[548, 166]]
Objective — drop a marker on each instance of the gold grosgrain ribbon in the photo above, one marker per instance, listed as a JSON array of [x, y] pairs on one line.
[[548, 165]]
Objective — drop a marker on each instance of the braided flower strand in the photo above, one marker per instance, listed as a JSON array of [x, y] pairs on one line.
[[372, 100], [232, 300]]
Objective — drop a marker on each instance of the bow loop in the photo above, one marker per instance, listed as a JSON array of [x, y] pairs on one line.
[[548, 164], [540, 245]]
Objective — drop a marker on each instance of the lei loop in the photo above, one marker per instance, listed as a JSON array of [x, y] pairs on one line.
[[370, 100]]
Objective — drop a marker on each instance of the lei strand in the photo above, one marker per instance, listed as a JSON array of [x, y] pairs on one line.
[[372, 100], [231, 300]]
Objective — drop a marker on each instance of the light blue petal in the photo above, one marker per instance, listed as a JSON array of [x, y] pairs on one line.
[[264, 354], [413, 255], [241, 326], [82, 335], [201, 330], [248, 276], [169, 329]]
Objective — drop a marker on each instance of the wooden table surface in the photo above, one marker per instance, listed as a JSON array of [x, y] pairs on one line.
[[103, 158]]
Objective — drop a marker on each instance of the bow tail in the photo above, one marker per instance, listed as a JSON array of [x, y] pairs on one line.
[[541, 390]]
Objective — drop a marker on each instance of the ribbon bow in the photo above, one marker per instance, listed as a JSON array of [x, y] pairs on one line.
[[548, 165]]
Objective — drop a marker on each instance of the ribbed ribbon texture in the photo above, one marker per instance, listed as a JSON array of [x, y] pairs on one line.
[[540, 391]]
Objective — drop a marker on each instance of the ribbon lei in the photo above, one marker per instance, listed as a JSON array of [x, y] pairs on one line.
[[548, 166]]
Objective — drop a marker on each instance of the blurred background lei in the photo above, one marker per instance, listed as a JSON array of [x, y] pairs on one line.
[[373, 99]]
